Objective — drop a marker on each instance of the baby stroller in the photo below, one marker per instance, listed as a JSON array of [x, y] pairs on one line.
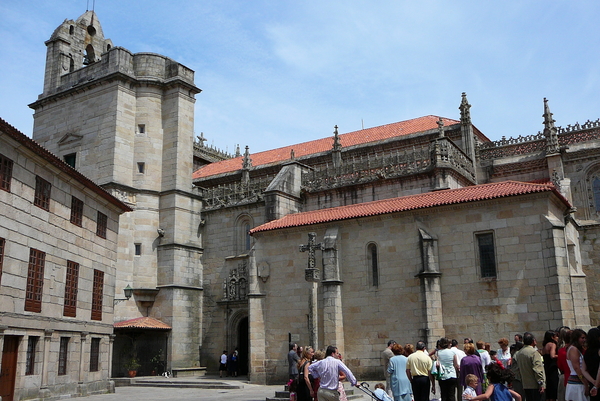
[[364, 386]]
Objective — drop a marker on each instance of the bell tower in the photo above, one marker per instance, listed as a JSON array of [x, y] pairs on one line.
[[73, 45], [126, 121]]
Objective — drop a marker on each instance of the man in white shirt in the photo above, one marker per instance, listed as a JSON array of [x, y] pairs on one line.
[[328, 370], [460, 354]]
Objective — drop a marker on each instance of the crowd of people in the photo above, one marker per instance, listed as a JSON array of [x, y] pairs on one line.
[[318, 375], [565, 368]]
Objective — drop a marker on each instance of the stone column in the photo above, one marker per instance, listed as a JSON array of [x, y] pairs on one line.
[[258, 369], [111, 342], [47, 340], [82, 389], [430, 289], [566, 290], [333, 321], [313, 322], [82, 343]]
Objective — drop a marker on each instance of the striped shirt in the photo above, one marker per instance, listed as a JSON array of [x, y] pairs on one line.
[[328, 371]]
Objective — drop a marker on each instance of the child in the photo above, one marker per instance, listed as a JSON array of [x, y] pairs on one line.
[[497, 390], [472, 382], [494, 356], [380, 392]]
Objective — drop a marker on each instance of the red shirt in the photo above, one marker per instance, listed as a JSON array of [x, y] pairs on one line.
[[562, 363]]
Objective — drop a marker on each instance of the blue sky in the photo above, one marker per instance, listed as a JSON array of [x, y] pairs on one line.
[[275, 73]]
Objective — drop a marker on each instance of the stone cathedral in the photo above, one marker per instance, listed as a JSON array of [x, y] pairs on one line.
[[418, 229]]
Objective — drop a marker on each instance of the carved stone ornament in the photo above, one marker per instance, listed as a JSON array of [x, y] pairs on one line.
[[312, 275]]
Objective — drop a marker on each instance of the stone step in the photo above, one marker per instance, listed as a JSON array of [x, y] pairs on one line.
[[184, 384], [351, 393]]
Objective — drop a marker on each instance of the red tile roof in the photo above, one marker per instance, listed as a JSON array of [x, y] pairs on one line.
[[412, 202], [147, 323], [367, 135]]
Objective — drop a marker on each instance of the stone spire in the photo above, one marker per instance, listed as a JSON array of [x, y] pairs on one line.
[[336, 152], [237, 150], [465, 113], [337, 145], [440, 124], [246, 161], [466, 130], [246, 165], [550, 133]]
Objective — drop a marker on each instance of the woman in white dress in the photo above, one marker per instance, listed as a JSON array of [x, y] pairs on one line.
[[579, 377]]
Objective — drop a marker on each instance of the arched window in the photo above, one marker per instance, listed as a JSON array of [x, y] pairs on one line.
[[373, 265], [242, 236], [596, 190], [90, 55]]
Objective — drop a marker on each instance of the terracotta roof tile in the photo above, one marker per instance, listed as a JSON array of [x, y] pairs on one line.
[[367, 135], [412, 202], [147, 323]]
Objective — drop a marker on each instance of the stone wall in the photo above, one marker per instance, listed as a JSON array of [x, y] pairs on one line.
[[25, 226], [520, 298]]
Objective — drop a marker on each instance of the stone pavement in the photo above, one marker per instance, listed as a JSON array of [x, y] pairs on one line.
[[246, 392]]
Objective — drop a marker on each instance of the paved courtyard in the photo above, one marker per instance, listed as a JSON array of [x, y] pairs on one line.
[[249, 392], [246, 392]]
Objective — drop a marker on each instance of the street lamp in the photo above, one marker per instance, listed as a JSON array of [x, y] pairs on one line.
[[128, 291]]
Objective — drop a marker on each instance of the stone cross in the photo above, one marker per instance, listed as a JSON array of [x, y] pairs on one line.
[[312, 275]]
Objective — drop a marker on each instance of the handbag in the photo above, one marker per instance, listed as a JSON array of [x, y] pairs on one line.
[[438, 370]]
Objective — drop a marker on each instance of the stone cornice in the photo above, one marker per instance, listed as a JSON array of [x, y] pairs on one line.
[[183, 246], [28, 322], [119, 76]]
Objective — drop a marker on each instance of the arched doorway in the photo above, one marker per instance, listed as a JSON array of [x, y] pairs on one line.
[[243, 345]]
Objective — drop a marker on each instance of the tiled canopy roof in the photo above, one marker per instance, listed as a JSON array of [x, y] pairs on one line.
[[412, 202], [367, 135], [147, 323]]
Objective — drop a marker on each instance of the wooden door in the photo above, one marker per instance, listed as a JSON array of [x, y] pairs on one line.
[[8, 372]]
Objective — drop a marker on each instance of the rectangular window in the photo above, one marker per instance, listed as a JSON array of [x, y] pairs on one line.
[[71, 281], [138, 249], [62, 355], [141, 167], [76, 211], [42, 193], [2, 242], [94, 355], [35, 281], [487, 254], [70, 159], [97, 295], [6, 167], [30, 358], [141, 128], [101, 223]]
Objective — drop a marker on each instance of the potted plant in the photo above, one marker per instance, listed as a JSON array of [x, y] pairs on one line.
[[156, 362], [132, 366]]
